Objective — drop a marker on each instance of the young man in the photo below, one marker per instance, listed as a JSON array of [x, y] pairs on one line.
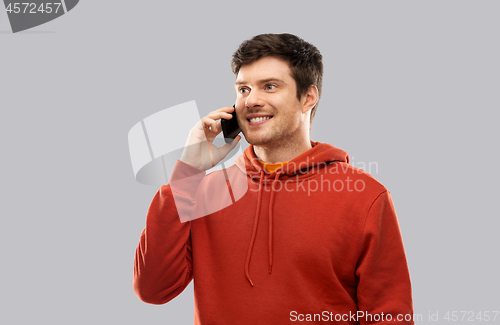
[[311, 239]]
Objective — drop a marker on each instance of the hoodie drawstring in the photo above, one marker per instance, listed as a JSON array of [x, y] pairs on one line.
[[255, 226], [271, 224]]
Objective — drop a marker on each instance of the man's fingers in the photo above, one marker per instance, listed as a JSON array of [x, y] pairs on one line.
[[211, 121], [215, 129], [209, 124], [224, 112]]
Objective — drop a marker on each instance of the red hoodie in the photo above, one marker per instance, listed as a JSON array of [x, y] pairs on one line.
[[317, 240]]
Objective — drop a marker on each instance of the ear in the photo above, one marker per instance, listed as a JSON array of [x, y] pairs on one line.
[[310, 98]]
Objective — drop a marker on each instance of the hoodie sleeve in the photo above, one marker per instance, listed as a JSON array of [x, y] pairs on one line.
[[163, 265], [382, 271]]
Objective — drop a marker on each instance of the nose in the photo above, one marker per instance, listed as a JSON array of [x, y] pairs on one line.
[[254, 100]]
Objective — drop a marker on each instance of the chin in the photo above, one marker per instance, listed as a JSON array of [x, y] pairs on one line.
[[259, 141]]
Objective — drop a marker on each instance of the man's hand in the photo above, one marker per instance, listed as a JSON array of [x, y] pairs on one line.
[[199, 151]]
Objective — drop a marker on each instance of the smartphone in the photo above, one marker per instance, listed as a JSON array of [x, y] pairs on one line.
[[230, 128]]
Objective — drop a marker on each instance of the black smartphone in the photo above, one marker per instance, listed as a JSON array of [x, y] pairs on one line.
[[230, 128]]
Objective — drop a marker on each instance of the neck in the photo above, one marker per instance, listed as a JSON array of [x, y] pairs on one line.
[[281, 152]]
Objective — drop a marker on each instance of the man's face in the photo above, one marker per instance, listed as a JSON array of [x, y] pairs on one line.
[[266, 90]]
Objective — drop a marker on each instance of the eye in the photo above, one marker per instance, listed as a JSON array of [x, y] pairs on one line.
[[270, 86], [243, 90]]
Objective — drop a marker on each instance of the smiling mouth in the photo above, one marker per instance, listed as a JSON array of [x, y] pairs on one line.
[[259, 120]]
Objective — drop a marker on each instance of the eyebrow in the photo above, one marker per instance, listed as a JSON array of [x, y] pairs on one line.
[[261, 81]]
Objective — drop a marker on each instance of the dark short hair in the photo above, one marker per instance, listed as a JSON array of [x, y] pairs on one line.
[[304, 59]]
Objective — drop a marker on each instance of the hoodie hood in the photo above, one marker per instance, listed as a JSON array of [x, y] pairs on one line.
[[300, 168]]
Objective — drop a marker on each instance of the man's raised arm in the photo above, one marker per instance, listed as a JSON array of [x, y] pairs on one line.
[[163, 265]]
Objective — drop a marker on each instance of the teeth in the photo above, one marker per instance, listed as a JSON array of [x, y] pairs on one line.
[[258, 119]]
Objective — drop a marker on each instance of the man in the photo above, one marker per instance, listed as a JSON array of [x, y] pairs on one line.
[[311, 239]]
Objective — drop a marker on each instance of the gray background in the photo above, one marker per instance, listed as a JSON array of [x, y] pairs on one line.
[[412, 86]]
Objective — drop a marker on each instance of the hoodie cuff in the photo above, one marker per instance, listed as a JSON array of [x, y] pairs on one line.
[[182, 170], [184, 183]]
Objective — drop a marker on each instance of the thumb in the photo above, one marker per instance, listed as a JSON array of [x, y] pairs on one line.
[[226, 148]]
